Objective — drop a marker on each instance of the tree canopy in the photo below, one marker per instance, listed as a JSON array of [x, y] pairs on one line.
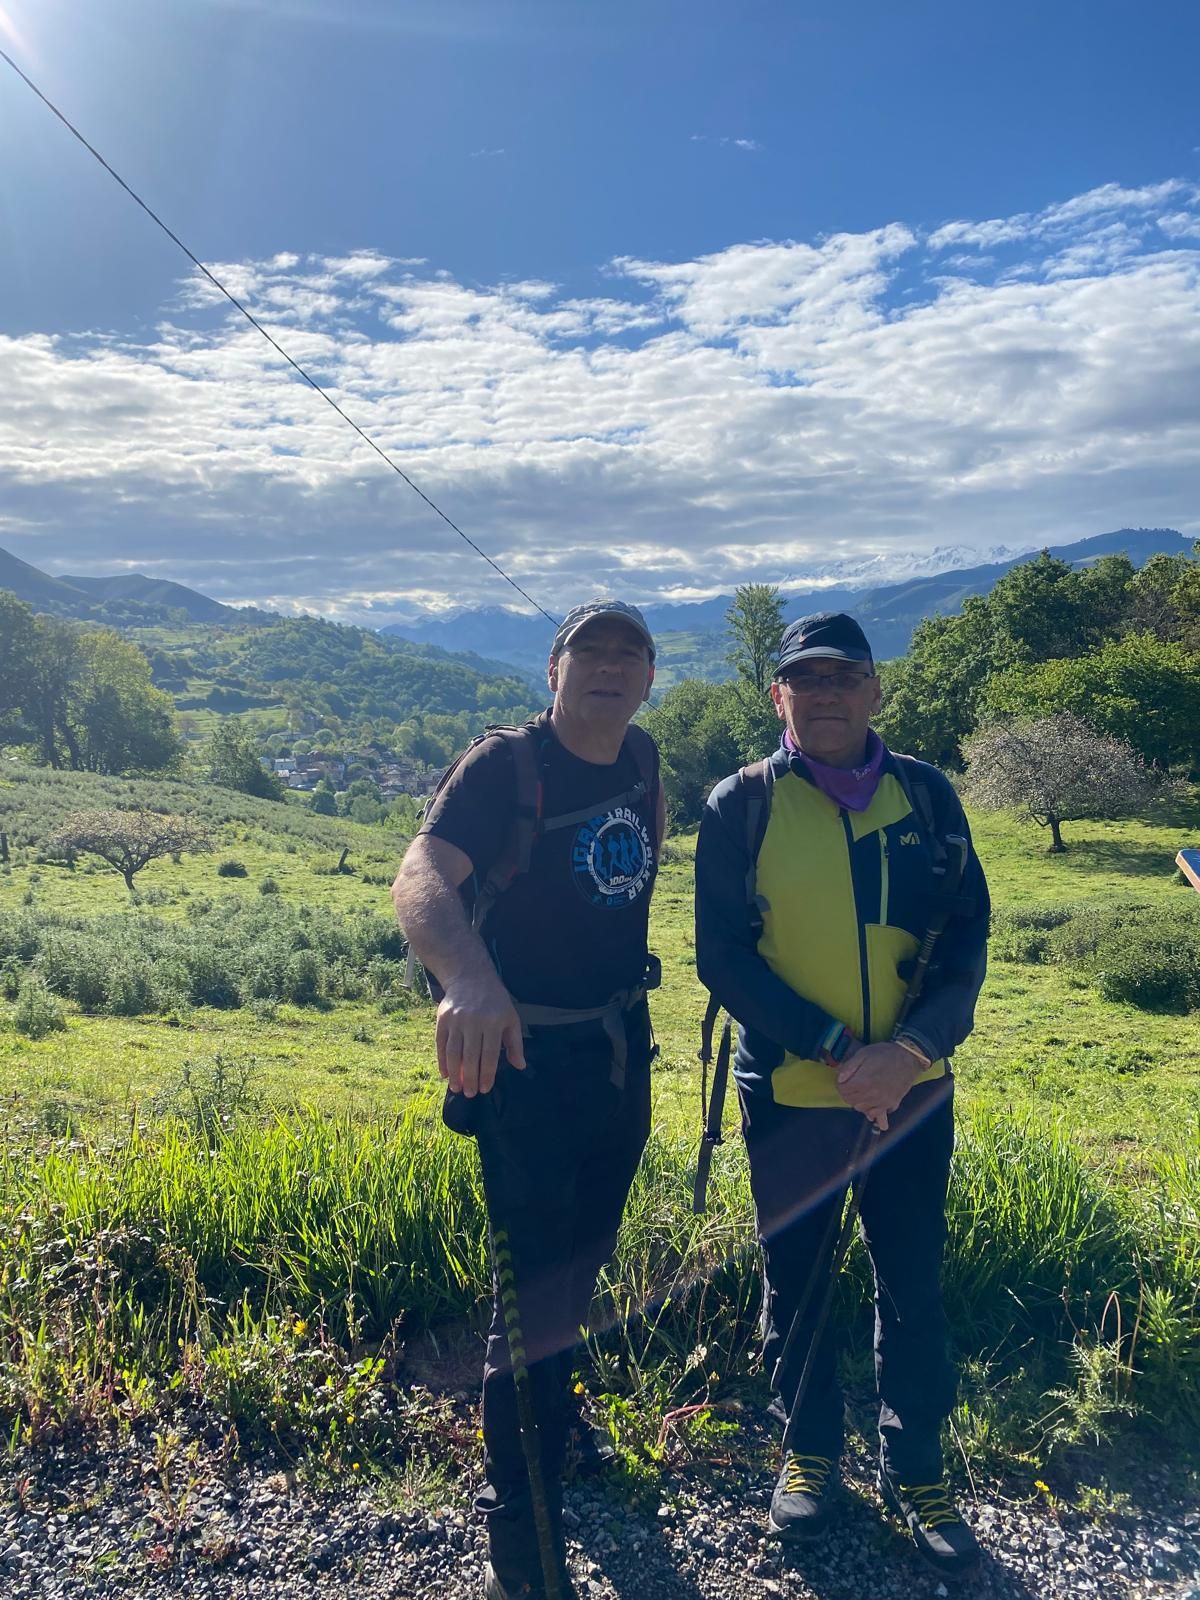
[[128, 840], [80, 697]]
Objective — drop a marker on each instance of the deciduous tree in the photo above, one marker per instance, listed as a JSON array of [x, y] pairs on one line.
[[234, 761], [128, 840], [1054, 770], [754, 626]]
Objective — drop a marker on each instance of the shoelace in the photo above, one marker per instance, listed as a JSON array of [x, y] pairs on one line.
[[806, 1474], [932, 1503]]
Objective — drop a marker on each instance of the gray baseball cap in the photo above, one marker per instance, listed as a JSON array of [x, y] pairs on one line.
[[579, 616]]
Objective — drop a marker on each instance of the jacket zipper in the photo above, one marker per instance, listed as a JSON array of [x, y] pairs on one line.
[[883, 879], [864, 976]]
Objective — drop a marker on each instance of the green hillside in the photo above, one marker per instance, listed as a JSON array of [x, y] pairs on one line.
[[221, 1080]]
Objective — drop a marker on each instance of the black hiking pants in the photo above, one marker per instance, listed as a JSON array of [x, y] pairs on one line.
[[799, 1172], [559, 1145]]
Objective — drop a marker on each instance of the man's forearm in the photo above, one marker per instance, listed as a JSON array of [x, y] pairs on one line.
[[435, 923]]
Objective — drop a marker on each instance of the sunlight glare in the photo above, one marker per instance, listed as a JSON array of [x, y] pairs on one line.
[[8, 29]]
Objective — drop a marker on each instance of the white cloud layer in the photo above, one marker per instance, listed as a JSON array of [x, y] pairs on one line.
[[756, 413]]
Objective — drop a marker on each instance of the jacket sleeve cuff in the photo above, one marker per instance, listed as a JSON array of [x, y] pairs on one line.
[[823, 1030], [923, 1044]]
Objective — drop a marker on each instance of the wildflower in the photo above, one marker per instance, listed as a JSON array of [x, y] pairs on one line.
[[579, 1389], [1044, 1487], [354, 1467], [300, 1327]]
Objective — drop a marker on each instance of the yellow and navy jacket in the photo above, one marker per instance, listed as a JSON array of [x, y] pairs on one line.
[[844, 898]]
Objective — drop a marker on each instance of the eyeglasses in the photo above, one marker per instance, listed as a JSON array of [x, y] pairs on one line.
[[814, 682]]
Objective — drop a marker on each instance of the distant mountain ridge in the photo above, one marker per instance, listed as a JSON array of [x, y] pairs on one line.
[[125, 596], [689, 631]]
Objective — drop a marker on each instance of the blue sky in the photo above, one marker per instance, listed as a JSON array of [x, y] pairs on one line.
[[652, 297]]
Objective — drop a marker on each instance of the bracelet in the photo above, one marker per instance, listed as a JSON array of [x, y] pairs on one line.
[[915, 1050]]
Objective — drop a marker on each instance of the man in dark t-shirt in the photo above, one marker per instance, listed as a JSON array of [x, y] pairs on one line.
[[543, 1032]]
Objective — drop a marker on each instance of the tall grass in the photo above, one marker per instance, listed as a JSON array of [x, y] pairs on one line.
[[114, 1260]]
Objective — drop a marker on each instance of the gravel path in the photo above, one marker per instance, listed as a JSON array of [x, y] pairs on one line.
[[84, 1520]]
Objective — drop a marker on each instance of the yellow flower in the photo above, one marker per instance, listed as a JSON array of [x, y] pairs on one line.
[[350, 1420], [1044, 1487], [300, 1328], [354, 1467], [579, 1389]]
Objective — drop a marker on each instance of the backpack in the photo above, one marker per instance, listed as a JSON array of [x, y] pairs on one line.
[[526, 745]]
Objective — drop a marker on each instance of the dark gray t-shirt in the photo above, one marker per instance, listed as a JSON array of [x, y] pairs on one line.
[[572, 930]]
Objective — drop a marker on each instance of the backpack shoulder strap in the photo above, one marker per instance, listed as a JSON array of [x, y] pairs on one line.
[[645, 753], [910, 771], [525, 748], [758, 781]]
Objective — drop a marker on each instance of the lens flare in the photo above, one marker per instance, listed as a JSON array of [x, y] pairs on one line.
[[10, 33]]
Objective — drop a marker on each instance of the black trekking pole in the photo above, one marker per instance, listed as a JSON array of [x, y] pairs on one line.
[[952, 876], [531, 1444], [712, 1109]]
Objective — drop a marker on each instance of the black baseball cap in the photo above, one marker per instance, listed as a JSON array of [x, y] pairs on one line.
[[829, 634]]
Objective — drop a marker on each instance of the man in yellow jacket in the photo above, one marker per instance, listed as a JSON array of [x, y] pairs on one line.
[[815, 875]]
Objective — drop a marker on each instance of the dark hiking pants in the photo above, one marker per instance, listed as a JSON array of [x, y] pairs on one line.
[[559, 1145], [799, 1169]]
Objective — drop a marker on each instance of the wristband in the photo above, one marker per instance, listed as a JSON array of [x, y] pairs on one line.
[[914, 1050], [837, 1044]]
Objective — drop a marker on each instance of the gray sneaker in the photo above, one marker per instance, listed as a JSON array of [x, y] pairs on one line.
[[802, 1503], [943, 1540]]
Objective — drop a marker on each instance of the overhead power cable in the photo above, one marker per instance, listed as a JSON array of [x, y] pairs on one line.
[[270, 338]]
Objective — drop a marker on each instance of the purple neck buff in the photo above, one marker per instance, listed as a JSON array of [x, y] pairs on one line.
[[852, 787]]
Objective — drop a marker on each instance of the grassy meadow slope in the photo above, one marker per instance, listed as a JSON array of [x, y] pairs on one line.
[[1044, 1036], [287, 1151]]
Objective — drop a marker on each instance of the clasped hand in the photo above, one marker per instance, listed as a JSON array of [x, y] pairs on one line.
[[475, 1021], [875, 1078]]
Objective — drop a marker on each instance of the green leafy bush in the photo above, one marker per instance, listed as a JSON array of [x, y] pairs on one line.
[[227, 953], [231, 869], [1023, 933], [1151, 973], [1142, 954], [37, 1013]]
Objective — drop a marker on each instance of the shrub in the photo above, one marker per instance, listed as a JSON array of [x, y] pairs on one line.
[[37, 1012], [302, 983], [231, 869], [1149, 972], [131, 991], [209, 981], [1023, 934], [75, 965], [1143, 954], [268, 886]]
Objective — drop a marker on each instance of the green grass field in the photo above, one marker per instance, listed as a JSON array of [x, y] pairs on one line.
[[322, 1178], [1119, 1076]]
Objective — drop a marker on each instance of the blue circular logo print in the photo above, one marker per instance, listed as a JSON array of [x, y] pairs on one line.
[[611, 857]]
